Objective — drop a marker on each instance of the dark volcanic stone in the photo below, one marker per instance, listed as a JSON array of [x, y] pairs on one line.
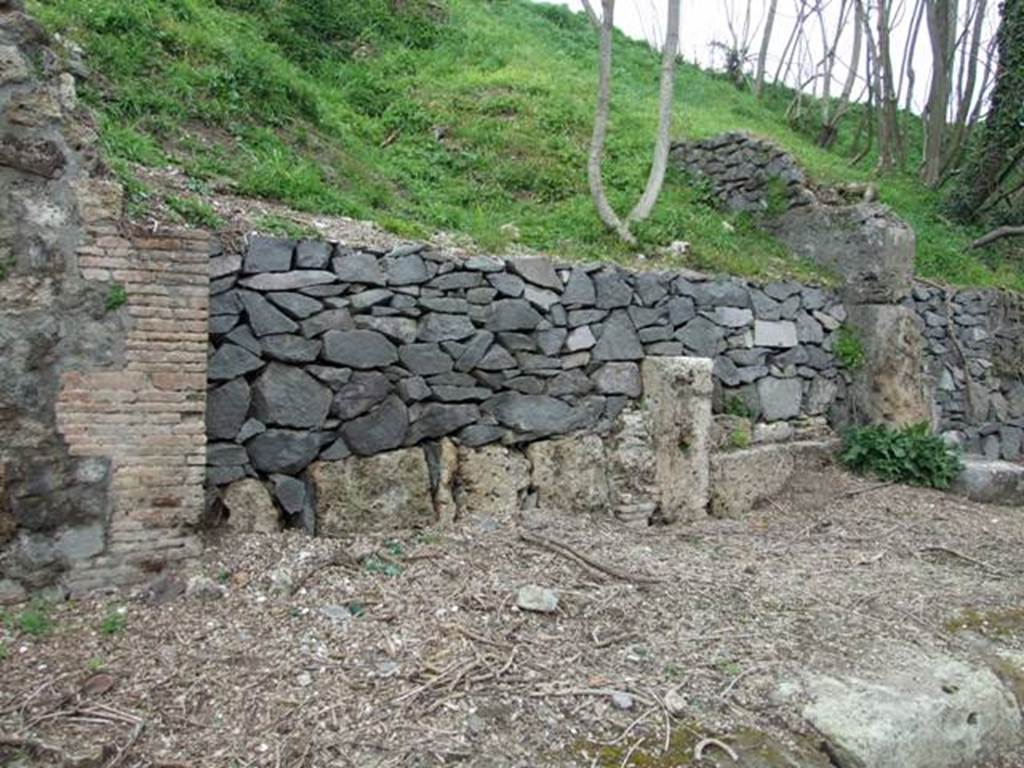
[[701, 336], [230, 362], [454, 280], [283, 450], [578, 317], [289, 348], [536, 414], [475, 350], [406, 270], [243, 337], [359, 349], [329, 320], [268, 254], [369, 298], [382, 429], [436, 420], [440, 327], [498, 359], [722, 293], [226, 409], [358, 267], [506, 284], [221, 324], [537, 270], [333, 377], [290, 493], [579, 292], [512, 315], [480, 434], [413, 389], [526, 385], [425, 359], [612, 290], [573, 382], [295, 304], [363, 392], [225, 455], [650, 289], [618, 340], [288, 281], [550, 341], [264, 319], [287, 396], [312, 254], [400, 329], [451, 394], [681, 310]]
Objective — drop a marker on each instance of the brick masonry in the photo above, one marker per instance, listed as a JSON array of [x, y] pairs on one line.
[[147, 418]]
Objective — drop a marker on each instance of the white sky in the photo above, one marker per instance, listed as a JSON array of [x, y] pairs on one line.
[[705, 21]]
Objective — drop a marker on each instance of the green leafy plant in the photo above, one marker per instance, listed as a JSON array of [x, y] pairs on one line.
[[848, 348], [116, 297], [374, 564], [909, 454], [278, 225], [739, 438], [194, 211], [6, 267], [736, 406], [35, 620], [113, 623], [96, 664]]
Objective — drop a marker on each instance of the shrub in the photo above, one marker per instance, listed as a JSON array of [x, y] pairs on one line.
[[910, 454], [116, 297]]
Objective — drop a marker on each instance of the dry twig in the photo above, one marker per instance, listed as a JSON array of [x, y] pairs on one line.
[[594, 567], [698, 751]]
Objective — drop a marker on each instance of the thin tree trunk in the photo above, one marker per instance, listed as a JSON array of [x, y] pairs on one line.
[[830, 127], [966, 94], [666, 93], [942, 21], [793, 35], [597, 140], [908, 56], [890, 154], [762, 55]]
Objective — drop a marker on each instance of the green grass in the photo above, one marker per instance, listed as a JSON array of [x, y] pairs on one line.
[[465, 119]]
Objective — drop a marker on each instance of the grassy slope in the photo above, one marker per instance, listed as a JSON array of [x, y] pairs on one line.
[[466, 123]]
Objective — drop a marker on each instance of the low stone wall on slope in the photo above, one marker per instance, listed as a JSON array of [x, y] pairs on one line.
[[321, 351], [974, 346]]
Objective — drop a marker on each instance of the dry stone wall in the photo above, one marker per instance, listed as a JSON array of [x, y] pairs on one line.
[[320, 351], [974, 346], [745, 173]]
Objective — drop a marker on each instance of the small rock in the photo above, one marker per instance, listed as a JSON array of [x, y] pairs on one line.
[[205, 588], [675, 703], [538, 599], [304, 679], [622, 700]]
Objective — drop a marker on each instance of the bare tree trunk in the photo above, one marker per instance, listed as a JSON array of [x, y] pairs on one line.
[[830, 126], [908, 55], [666, 95], [762, 55], [965, 95], [597, 140], [589, 9], [890, 152], [942, 21], [793, 36]]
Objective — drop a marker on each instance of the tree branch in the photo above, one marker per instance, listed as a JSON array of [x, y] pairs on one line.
[[997, 234]]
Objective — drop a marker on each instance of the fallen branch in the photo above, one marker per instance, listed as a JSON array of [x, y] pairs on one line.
[[997, 234], [595, 568], [961, 556], [698, 751], [869, 489], [123, 751]]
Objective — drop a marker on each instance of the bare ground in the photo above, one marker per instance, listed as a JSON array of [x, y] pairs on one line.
[[322, 654]]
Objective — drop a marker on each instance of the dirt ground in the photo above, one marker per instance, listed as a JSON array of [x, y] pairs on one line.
[[411, 651]]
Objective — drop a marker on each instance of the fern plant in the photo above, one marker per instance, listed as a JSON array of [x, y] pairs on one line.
[[909, 454]]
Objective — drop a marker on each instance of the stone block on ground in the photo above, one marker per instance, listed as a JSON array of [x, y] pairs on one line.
[[991, 482], [913, 709], [677, 403], [390, 491], [250, 507], [490, 481], [570, 474]]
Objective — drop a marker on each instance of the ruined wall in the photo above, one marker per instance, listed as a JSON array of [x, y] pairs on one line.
[[321, 351], [745, 173], [102, 347], [975, 359]]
